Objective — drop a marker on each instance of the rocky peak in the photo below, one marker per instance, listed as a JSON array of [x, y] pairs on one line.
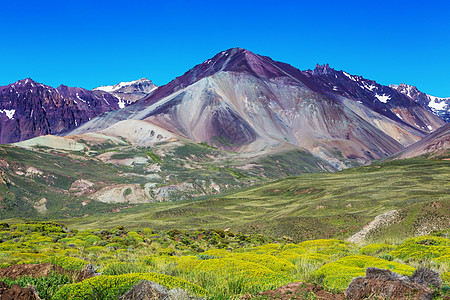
[[322, 69], [26, 83], [408, 90]]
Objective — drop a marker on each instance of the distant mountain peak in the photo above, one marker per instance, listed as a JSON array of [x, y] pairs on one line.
[[26, 81], [142, 84], [439, 106]]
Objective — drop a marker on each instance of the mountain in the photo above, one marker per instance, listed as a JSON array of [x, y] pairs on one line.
[[130, 91], [29, 109], [382, 100], [439, 106], [436, 144], [247, 103]]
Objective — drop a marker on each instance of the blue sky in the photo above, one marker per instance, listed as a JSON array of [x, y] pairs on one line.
[[92, 43]]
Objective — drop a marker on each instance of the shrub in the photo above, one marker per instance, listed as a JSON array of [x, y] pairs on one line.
[[135, 236], [96, 249], [354, 266], [91, 239], [46, 286], [216, 252], [68, 263], [119, 268], [375, 249], [260, 275], [166, 251], [276, 264], [423, 247], [445, 277]]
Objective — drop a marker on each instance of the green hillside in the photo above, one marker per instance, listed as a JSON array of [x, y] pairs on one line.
[[44, 182], [313, 205]]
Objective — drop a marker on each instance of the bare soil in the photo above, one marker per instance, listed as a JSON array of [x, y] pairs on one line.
[[17, 293], [39, 270]]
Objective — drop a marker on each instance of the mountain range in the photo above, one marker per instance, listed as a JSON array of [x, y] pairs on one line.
[[243, 102]]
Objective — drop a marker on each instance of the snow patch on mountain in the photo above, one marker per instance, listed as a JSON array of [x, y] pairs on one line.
[[9, 113], [437, 103], [349, 76], [383, 98], [121, 103]]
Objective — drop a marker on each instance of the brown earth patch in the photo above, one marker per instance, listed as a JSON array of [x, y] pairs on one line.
[[299, 290], [44, 269], [305, 191], [17, 292]]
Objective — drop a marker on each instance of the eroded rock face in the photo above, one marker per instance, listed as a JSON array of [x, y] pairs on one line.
[[386, 284]]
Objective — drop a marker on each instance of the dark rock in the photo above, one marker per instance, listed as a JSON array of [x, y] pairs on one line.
[[386, 284], [427, 277]]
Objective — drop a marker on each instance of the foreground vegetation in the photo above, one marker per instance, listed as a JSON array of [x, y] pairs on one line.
[[215, 264]]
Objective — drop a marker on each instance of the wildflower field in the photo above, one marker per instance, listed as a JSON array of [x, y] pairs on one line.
[[214, 264]]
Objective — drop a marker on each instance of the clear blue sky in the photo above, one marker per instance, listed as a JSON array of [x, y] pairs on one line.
[[92, 43]]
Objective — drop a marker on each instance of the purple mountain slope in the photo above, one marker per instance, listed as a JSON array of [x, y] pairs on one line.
[[436, 144], [379, 98]]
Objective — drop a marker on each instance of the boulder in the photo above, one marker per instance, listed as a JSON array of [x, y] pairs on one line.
[[385, 284]]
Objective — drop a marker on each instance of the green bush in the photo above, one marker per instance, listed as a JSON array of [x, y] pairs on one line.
[[46, 286], [106, 287], [68, 263], [423, 247], [375, 249], [354, 266], [119, 268]]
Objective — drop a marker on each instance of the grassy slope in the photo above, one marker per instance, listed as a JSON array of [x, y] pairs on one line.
[[204, 167], [312, 205]]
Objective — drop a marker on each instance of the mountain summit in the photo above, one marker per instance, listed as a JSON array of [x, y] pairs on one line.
[[130, 91]]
